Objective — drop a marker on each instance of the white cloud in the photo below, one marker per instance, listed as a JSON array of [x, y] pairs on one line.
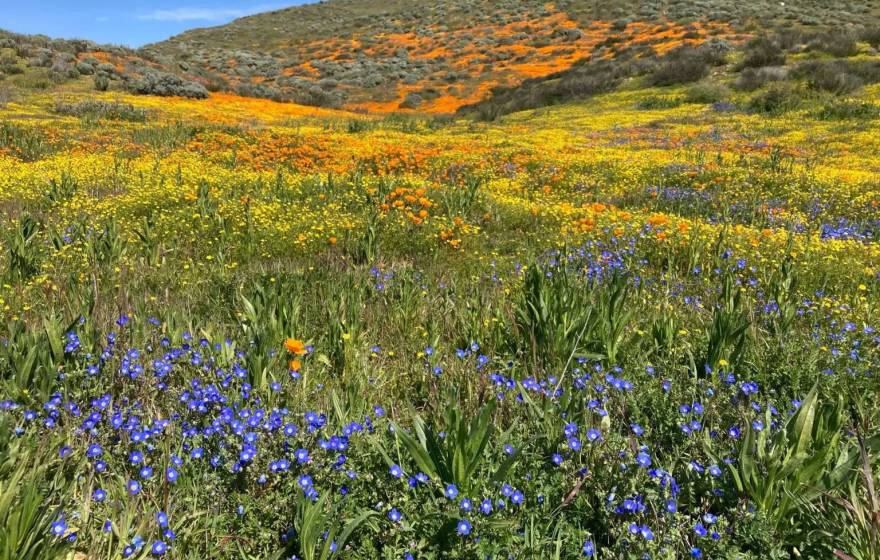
[[205, 14]]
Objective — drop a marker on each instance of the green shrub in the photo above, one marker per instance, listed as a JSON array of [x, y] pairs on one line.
[[10, 68], [796, 465], [554, 317], [838, 44], [23, 249], [355, 126], [870, 35], [164, 84], [458, 458], [762, 51], [849, 109], [707, 92], [102, 82], [751, 79], [165, 137], [28, 144], [778, 98], [659, 102], [836, 76], [682, 67], [109, 110], [85, 68], [260, 91], [412, 101]]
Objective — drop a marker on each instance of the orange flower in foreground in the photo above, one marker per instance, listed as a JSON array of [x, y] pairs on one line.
[[295, 346], [294, 365]]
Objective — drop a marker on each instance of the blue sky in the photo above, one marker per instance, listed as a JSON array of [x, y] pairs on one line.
[[125, 22]]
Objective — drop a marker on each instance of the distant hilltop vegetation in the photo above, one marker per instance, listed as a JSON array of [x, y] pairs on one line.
[[447, 56]]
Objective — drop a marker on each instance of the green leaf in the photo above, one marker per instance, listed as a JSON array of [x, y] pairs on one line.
[[418, 453]]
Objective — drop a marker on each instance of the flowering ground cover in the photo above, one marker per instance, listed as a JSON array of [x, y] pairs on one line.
[[637, 326]]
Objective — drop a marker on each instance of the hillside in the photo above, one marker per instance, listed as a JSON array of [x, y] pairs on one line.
[[439, 56], [458, 55]]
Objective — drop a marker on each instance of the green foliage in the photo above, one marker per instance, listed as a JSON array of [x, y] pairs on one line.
[[554, 316], [462, 195], [660, 102], [781, 472], [93, 110], [166, 137], [26, 511], [28, 144], [682, 66], [784, 292], [778, 98], [762, 51], [61, 189], [268, 317], [24, 249], [101, 82], [730, 324], [165, 84], [456, 453], [104, 244], [707, 92], [355, 126], [613, 314], [30, 358], [318, 527], [846, 109]]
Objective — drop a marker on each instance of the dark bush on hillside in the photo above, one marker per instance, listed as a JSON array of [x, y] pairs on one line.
[[870, 35], [6, 95], [411, 101], [106, 68], [85, 68], [659, 102], [165, 84], [680, 67], [867, 70], [714, 51], [835, 76], [215, 83], [707, 92], [849, 109], [793, 39], [316, 97], [837, 44], [751, 79], [10, 68], [94, 109], [779, 98], [261, 91], [762, 51], [102, 82]]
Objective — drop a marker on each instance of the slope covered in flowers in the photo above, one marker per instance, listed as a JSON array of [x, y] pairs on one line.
[[235, 328]]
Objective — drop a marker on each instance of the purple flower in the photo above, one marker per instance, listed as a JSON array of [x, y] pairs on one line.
[[589, 549]]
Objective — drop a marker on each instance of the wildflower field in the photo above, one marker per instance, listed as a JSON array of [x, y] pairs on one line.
[[641, 325]]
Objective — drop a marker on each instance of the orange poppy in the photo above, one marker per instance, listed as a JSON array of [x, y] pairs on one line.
[[295, 346]]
